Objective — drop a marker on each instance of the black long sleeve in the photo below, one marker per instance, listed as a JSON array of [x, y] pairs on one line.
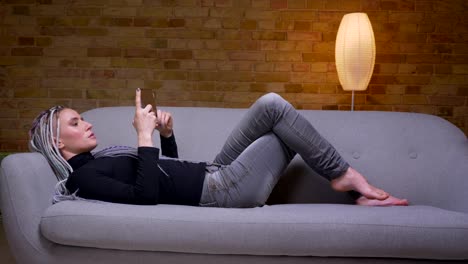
[[169, 146], [142, 180], [106, 179]]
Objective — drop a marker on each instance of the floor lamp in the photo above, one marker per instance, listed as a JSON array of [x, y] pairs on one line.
[[355, 53]]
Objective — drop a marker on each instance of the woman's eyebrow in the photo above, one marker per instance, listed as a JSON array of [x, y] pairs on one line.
[[75, 119]]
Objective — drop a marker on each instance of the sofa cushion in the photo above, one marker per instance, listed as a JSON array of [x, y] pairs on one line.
[[292, 229]]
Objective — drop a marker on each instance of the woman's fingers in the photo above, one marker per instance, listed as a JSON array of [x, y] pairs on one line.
[[164, 123], [138, 99], [164, 118]]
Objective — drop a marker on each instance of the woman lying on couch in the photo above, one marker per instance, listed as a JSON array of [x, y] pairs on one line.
[[243, 174]]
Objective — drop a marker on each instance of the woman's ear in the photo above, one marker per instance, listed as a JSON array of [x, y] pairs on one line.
[[60, 143]]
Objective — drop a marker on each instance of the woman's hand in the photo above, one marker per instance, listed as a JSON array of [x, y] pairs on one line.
[[164, 123], [144, 122]]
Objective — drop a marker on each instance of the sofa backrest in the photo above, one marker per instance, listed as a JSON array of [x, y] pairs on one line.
[[416, 156]]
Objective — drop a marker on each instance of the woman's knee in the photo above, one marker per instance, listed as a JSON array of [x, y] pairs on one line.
[[271, 100]]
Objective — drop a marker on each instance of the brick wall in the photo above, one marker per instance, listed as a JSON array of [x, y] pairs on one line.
[[224, 53]]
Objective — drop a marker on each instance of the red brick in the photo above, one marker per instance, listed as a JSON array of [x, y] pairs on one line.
[[383, 99], [330, 107], [30, 92], [463, 91], [407, 17], [383, 79], [272, 77], [84, 11], [134, 73], [376, 89], [259, 87], [444, 38], [236, 76], [406, 37], [342, 5], [172, 65], [203, 76], [314, 4], [413, 90], [290, 56], [317, 99], [302, 25], [318, 57], [410, 79], [449, 6], [101, 94], [293, 88], [330, 16], [171, 75], [175, 54], [301, 67], [269, 35], [424, 69], [328, 89], [249, 56], [426, 28], [25, 41], [140, 53], [389, 5], [91, 31], [447, 100], [278, 4], [116, 21], [309, 77], [444, 111], [65, 93], [454, 59], [231, 44], [424, 6], [74, 73], [21, 10], [43, 41], [423, 58], [443, 69], [30, 51], [174, 23], [302, 36], [160, 44], [414, 99], [57, 31], [142, 21], [106, 74], [104, 52]]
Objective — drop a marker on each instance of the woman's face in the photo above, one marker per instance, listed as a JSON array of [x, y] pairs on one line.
[[76, 135]]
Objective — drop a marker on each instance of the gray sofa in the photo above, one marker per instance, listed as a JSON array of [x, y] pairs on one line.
[[420, 157]]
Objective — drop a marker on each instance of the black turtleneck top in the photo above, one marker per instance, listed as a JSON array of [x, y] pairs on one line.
[[138, 181]]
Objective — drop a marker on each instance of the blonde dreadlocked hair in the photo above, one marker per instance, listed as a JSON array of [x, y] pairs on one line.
[[44, 137]]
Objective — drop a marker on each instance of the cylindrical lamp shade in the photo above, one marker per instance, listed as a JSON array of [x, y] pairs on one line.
[[355, 52]]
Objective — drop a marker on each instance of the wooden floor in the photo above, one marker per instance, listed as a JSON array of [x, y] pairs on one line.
[[5, 254]]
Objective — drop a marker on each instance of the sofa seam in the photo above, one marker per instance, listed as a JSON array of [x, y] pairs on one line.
[[257, 223]]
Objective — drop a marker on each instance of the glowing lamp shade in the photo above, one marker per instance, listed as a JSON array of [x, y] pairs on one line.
[[355, 52]]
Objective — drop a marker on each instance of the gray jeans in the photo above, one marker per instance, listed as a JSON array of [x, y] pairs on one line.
[[259, 149]]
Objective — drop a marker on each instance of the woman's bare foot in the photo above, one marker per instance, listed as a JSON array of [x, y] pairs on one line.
[[387, 202], [353, 180]]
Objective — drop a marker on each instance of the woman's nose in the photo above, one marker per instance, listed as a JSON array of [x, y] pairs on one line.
[[89, 126]]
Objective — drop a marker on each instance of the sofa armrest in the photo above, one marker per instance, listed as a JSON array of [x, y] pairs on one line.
[[27, 183]]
